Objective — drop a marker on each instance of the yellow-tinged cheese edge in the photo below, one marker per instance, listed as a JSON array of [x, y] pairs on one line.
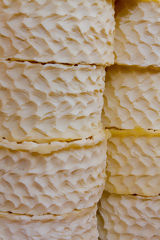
[[106, 194], [137, 132], [48, 148]]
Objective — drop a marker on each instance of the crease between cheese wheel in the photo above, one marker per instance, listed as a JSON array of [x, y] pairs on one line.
[[129, 217], [137, 132], [37, 182], [133, 162], [76, 225]]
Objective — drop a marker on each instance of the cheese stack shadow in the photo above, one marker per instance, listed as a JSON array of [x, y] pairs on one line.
[[53, 56], [130, 206]]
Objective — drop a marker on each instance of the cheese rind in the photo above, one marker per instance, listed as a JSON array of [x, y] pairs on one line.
[[137, 36], [48, 102], [133, 164], [131, 98], [129, 217], [76, 225], [71, 175], [60, 31]]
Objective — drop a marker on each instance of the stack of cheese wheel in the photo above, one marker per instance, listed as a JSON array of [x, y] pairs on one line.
[[53, 55], [130, 206]]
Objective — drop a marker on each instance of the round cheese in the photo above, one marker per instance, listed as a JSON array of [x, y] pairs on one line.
[[132, 98], [133, 162], [44, 102], [57, 31], [129, 217], [79, 225], [53, 178], [137, 37]]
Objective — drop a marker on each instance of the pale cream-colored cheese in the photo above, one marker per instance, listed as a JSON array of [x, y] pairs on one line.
[[137, 36], [53, 178], [133, 162], [79, 225], [129, 217], [50, 102], [132, 98], [60, 31]]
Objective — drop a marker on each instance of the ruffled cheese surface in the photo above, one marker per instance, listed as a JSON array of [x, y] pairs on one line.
[[79, 225], [133, 162], [129, 217], [137, 37], [132, 98], [48, 102], [63, 31], [41, 178]]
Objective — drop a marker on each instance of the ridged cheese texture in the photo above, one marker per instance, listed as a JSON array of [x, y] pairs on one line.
[[129, 218], [133, 163], [78, 225], [63, 31], [66, 176], [132, 98], [52, 101], [137, 37]]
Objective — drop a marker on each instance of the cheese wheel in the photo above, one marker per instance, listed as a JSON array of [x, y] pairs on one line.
[[132, 98], [137, 37], [59, 31], [129, 217], [79, 225], [54, 178], [49, 102], [133, 162]]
